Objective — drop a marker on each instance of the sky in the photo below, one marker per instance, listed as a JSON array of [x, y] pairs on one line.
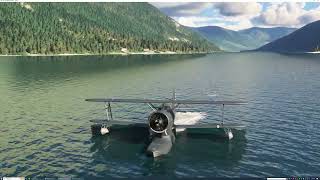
[[241, 15]]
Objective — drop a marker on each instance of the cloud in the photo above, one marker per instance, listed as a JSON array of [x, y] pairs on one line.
[[288, 14], [228, 15], [193, 21], [182, 9], [241, 15], [309, 17], [195, 8], [166, 4], [198, 21], [238, 8]]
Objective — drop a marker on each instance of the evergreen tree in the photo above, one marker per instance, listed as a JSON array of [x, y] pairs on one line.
[[99, 28]]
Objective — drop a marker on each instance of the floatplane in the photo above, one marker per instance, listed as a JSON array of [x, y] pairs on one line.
[[161, 121]]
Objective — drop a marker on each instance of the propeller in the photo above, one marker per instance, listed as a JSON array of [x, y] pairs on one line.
[[158, 122]]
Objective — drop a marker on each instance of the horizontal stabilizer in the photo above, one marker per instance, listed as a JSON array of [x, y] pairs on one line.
[[211, 125], [168, 101], [109, 123]]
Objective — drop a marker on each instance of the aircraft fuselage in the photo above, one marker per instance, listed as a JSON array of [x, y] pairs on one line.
[[162, 131]]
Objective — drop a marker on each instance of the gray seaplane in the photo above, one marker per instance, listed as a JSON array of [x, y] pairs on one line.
[[161, 121]]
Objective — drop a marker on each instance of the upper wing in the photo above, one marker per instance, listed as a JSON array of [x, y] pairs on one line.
[[167, 101]]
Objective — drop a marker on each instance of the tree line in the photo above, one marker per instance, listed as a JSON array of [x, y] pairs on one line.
[[56, 28]]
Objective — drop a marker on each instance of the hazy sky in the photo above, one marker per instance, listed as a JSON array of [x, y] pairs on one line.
[[241, 15]]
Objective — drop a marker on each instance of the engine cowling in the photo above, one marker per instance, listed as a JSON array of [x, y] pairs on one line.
[[160, 121]]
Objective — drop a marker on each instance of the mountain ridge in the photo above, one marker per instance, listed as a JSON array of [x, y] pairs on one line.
[[91, 27], [305, 39], [247, 39]]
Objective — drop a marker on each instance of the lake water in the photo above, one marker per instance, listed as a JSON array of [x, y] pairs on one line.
[[45, 122]]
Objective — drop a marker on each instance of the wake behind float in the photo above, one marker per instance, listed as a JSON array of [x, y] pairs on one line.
[[160, 123]]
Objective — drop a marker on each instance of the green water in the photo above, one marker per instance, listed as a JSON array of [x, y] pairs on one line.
[[45, 128]]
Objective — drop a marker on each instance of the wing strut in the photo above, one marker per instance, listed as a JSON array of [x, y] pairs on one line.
[[152, 106], [108, 111], [222, 115]]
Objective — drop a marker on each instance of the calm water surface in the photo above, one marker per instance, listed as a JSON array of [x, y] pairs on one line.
[[45, 128]]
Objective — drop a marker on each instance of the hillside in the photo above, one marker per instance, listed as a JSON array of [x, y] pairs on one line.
[[247, 39], [57, 28], [226, 39], [305, 39]]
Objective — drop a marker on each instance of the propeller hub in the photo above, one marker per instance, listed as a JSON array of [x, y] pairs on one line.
[[158, 122]]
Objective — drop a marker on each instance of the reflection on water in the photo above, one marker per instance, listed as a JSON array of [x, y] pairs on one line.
[[48, 68], [218, 146], [217, 149], [124, 135], [45, 122]]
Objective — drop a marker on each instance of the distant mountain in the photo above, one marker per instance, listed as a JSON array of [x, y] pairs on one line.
[[305, 39], [225, 39], [54, 28], [266, 35], [247, 39]]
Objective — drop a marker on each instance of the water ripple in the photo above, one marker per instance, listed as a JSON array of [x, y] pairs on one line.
[[46, 129]]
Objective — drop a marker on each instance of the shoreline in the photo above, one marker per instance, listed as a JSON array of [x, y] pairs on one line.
[[107, 54], [129, 53]]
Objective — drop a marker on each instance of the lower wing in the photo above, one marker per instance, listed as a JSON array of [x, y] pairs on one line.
[[211, 125], [109, 123]]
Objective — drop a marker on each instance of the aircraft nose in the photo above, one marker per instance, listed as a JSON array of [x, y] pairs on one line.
[[153, 153], [159, 146], [156, 153]]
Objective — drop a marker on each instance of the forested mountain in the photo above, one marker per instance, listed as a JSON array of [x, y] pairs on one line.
[[305, 39], [55, 28], [247, 39]]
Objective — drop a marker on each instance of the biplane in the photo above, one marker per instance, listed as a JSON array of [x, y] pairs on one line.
[[161, 121]]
